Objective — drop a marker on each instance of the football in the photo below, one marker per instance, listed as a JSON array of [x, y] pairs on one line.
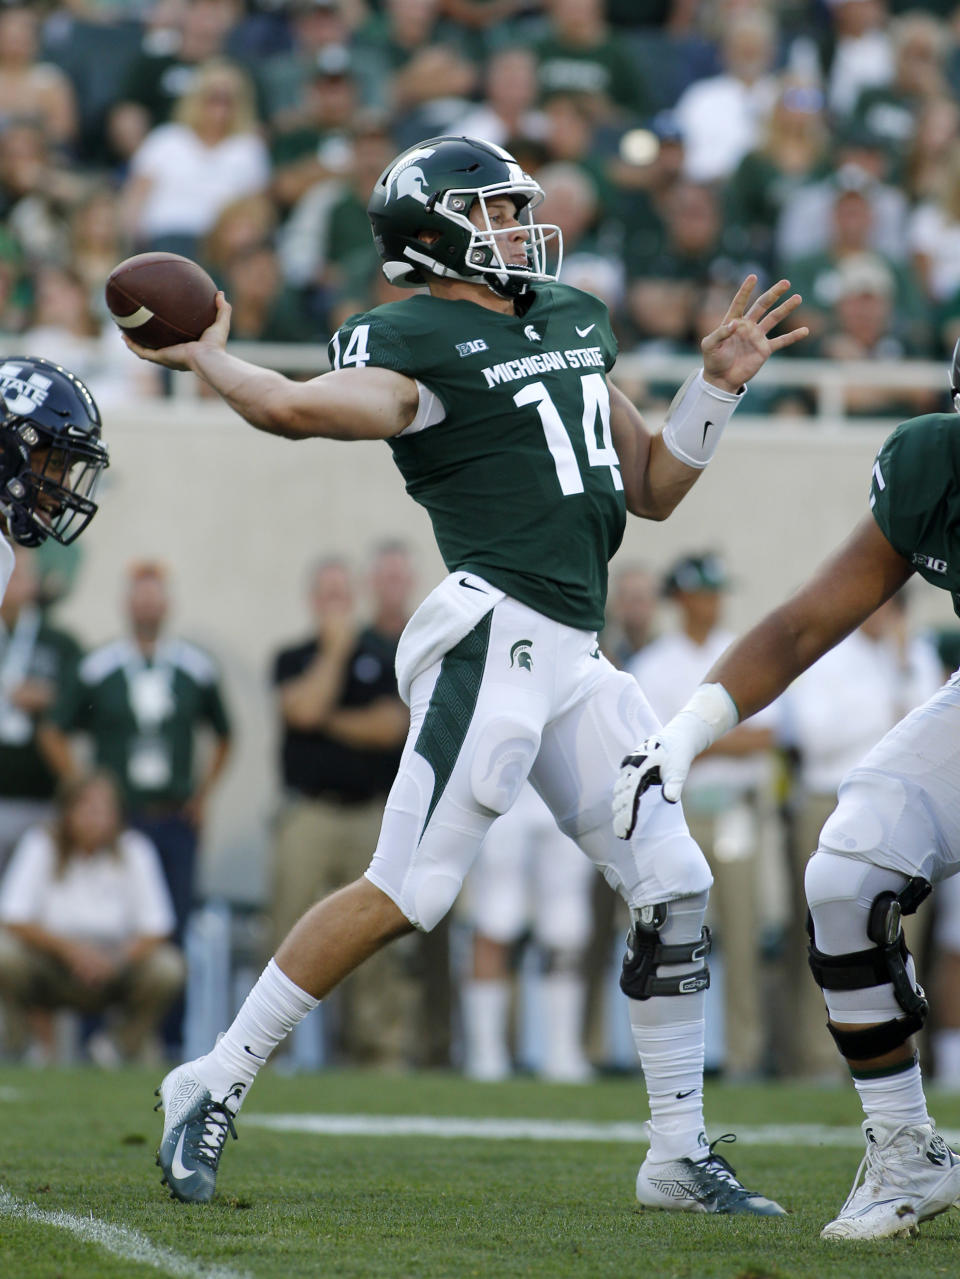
[[161, 299]]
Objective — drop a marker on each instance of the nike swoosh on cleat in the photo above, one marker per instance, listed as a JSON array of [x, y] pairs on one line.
[[177, 1166], [583, 332], [706, 428], [470, 586]]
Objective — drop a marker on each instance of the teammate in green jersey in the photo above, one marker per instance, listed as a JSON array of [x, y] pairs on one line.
[[491, 390], [895, 830]]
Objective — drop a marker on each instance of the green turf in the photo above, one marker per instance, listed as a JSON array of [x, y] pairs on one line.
[[297, 1205]]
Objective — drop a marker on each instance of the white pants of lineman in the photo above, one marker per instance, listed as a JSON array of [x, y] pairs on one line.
[[517, 696], [897, 816]]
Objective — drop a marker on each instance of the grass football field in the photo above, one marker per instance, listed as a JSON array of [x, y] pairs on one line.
[[460, 1181]]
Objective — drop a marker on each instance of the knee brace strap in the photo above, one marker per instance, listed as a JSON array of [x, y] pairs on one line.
[[875, 1041], [645, 952], [884, 964]]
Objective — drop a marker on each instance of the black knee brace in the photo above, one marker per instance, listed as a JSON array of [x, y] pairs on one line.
[[884, 964], [645, 951]]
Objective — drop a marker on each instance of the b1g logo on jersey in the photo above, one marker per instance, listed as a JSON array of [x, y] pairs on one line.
[[928, 561], [22, 397], [471, 348]]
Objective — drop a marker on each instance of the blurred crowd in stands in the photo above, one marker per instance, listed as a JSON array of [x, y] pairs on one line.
[[679, 142]]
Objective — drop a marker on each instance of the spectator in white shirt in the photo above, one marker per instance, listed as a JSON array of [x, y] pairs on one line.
[[185, 172], [85, 915], [723, 117]]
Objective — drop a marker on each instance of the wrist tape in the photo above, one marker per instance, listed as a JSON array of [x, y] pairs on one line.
[[696, 418], [716, 710]]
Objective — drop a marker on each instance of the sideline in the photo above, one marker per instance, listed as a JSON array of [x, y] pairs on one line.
[[121, 1241], [847, 1136]]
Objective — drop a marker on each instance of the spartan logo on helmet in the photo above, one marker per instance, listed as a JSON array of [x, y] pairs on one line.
[[407, 178], [520, 655], [434, 187]]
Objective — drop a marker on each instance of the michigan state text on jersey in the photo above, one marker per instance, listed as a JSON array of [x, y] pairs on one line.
[[492, 393]]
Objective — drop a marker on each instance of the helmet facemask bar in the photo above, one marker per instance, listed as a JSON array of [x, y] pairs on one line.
[[486, 253], [52, 493]]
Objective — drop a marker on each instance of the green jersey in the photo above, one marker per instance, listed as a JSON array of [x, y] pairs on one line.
[[915, 497], [511, 452], [141, 715]]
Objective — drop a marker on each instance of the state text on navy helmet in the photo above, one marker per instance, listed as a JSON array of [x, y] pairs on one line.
[[434, 187], [51, 453]]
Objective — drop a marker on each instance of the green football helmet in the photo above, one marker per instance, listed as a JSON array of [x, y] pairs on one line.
[[433, 186]]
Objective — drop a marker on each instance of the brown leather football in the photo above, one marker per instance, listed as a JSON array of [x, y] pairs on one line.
[[161, 299]]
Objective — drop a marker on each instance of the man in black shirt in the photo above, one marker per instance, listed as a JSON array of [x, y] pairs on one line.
[[343, 730]]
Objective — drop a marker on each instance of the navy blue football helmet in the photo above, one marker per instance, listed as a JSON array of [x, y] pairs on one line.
[[51, 453]]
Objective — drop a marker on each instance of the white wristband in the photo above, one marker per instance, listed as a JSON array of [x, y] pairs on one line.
[[696, 418], [715, 709]]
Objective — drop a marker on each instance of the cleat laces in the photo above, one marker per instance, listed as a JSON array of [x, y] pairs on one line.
[[715, 1180], [217, 1121], [875, 1168]]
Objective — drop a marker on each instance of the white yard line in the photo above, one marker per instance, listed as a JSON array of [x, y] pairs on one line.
[[121, 1241], [548, 1129]]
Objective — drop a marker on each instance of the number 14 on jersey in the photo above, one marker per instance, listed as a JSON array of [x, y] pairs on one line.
[[596, 407]]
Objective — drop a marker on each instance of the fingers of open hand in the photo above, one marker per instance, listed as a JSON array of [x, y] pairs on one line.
[[773, 318], [741, 298], [767, 299], [788, 339]]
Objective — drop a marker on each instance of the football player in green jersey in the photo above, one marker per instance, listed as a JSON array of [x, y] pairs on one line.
[[490, 388], [896, 828]]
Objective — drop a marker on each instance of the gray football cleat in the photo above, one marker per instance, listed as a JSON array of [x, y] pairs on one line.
[[195, 1127], [700, 1185], [909, 1175]]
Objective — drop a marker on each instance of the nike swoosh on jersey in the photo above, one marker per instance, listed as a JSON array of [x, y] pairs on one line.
[[583, 332], [470, 586], [177, 1166]]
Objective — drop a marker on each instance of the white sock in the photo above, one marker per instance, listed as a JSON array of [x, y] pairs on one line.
[[274, 1006], [563, 996], [946, 1053], [486, 1010], [894, 1099], [670, 1045]]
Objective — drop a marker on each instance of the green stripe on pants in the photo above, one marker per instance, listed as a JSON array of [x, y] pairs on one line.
[[451, 707]]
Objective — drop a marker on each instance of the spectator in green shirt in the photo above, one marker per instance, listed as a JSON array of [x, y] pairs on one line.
[[141, 700]]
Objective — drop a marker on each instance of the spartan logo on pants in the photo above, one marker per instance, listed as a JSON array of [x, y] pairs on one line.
[[520, 655]]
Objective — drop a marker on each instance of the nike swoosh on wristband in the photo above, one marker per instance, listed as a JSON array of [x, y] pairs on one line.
[[470, 586], [706, 428], [583, 332], [177, 1166]]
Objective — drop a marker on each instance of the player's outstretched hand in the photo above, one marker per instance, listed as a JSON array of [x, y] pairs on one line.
[[178, 357], [741, 344]]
